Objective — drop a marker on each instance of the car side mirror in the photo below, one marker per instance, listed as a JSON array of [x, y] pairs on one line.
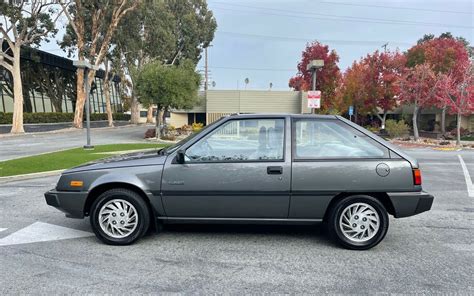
[[180, 156]]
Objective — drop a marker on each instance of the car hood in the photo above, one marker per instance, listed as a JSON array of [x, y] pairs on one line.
[[144, 158]]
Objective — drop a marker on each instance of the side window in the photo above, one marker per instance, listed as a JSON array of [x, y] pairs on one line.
[[325, 139], [241, 140]]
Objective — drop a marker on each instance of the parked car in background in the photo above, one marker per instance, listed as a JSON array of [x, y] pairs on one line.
[[299, 169]]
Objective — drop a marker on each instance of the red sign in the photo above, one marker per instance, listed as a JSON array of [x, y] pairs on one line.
[[314, 99]]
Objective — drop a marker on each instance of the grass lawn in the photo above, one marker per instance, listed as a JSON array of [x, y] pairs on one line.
[[65, 159], [467, 138]]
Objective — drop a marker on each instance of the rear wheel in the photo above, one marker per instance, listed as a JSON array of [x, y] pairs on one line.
[[358, 222], [119, 217]]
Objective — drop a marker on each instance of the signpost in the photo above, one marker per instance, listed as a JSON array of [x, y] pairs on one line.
[[351, 112], [314, 99]]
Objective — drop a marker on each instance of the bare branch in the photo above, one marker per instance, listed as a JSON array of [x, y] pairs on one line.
[[6, 65]]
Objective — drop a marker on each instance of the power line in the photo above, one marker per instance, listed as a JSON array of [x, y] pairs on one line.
[[254, 69], [353, 42], [394, 7], [299, 15]]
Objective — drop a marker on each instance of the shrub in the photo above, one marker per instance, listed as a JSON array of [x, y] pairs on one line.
[[56, 117], [396, 129], [197, 126], [150, 133]]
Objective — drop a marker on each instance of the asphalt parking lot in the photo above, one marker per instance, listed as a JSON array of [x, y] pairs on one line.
[[431, 253]]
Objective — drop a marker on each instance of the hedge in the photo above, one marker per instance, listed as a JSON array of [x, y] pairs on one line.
[[54, 117]]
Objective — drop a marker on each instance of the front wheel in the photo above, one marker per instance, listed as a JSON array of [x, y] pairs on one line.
[[119, 217], [358, 222]]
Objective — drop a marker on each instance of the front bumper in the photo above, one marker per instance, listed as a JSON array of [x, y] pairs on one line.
[[407, 204], [71, 203]]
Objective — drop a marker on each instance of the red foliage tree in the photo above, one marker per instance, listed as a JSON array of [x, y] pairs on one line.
[[445, 55], [380, 81], [456, 91], [418, 86], [371, 84], [328, 78]]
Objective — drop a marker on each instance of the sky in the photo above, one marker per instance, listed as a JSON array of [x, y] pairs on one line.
[[262, 40]]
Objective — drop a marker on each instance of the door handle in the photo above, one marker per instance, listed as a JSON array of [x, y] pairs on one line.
[[274, 170]]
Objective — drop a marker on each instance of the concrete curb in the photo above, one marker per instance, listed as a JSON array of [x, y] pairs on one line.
[[14, 178]]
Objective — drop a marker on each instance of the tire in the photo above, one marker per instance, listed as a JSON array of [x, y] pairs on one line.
[[364, 224], [126, 215]]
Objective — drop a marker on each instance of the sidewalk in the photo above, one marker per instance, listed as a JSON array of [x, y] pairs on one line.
[[16, 146], [47, 127]]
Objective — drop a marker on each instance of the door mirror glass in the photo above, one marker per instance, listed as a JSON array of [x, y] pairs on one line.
[[237, 140]]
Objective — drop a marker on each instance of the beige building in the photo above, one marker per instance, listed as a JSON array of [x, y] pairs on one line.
[[218, 103]]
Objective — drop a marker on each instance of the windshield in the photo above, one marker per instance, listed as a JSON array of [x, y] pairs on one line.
[[178, 145]]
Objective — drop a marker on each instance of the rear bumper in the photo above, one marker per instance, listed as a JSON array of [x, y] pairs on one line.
[[71, 203], [407, 204]]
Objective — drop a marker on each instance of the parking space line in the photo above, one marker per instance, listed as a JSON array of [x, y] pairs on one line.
[[470, 187]]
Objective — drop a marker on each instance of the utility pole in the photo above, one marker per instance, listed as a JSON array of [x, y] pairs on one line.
[[385, 47], [206, 71]]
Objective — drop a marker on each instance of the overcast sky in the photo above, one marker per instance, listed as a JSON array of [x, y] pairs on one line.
[[263, 39]]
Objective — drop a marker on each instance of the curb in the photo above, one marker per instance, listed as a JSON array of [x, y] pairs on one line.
[[8, 179]]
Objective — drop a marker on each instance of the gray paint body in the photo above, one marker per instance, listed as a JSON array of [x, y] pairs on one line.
[[244, 191]]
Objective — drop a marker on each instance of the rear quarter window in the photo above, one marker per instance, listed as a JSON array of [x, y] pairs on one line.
[[333, 139]]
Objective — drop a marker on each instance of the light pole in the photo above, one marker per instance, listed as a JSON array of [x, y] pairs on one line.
[[86, 66], [313, 66]]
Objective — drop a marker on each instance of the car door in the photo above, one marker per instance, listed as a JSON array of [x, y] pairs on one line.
[[330, 157], [240, 169]]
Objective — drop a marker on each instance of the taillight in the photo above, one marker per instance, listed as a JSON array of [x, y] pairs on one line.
[[417, 176]]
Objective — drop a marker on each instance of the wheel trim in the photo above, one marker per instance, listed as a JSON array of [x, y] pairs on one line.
[[359, 222], [118, 218]]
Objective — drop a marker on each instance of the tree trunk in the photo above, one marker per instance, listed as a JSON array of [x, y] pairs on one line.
[[163, 122], [80, 99], [134, 111], [382, 119], [415, 122], [108, 106], [458, 129], [149, 115], [443, 120], [158, 122], [17, 124]]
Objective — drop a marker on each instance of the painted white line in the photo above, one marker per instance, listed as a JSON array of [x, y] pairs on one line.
[[470, 187], [41, 232], [3, 229]]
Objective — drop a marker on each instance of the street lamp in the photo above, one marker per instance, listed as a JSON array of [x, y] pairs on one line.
[[86, 66], [313, 66]]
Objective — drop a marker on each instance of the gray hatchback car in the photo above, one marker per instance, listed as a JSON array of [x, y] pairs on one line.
[[299, 169]]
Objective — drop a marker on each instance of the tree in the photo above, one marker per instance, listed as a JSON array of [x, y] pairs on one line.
[[90, 30], [328, 78], [166, 31], [418, 86], [168, 86], [444, 55], [457, 93], [351, 92], [24, 23], [380, 81], [371, 84]]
